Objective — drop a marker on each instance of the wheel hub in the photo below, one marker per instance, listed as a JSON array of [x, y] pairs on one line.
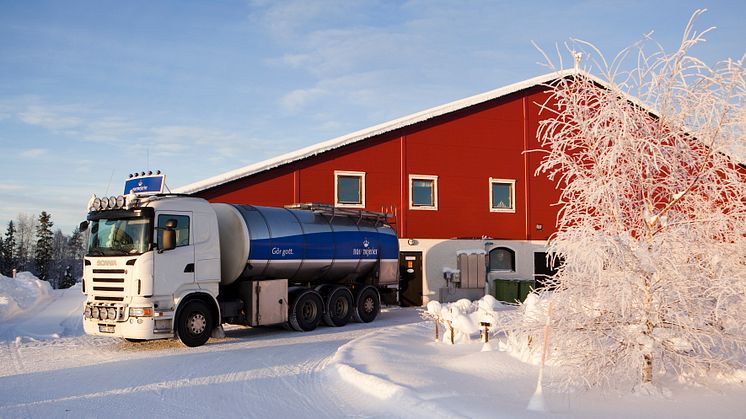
[[369, 305], [197, 324]]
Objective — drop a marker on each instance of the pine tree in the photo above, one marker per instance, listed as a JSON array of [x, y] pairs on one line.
[[43, 254], [75, 251], [8, 258], [67, 280], [3, 264]]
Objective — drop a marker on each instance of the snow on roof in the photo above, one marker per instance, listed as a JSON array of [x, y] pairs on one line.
[[379, 129]]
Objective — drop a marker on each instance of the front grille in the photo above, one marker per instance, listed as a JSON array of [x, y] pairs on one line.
[[102, 298], [115, 289], [109, 280], [108, 284], [108, 271]]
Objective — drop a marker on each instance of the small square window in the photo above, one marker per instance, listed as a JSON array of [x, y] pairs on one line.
[[349, 189], [423, 192], [502, 195]]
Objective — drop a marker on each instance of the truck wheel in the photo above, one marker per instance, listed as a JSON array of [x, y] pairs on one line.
[[194, 325], [338, 307], [367, 305], [306, 311]]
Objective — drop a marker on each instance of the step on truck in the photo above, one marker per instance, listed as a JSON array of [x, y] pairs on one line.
[[162, 266]]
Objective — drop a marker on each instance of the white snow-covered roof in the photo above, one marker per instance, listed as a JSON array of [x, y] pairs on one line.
[[375, 130]]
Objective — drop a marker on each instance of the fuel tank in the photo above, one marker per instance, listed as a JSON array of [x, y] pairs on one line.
[[314, 245]]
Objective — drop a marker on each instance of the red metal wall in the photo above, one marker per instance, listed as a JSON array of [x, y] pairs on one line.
[[464, 149]]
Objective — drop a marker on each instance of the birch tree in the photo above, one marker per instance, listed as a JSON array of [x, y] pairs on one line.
[[652, 220]]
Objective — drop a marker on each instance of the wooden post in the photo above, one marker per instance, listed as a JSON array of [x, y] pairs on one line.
[[485, 331], [450, 331], [437, 334]]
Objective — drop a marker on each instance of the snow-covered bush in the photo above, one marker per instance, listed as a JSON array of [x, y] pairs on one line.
[[652, 225], [464, 317]]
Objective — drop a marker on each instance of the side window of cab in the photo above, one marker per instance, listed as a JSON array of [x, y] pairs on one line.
[[182, 228]]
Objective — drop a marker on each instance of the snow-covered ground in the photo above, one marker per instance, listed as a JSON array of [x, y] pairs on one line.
[[388, 368]]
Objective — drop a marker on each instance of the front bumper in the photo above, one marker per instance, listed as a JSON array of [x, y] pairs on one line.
[[145, 328]]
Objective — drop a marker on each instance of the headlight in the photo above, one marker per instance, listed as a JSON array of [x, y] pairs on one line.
[[112, 313], [141, 311], [104, 203], [120, 201], [87, 312], [112, 202], [97, 204], [94, 312]]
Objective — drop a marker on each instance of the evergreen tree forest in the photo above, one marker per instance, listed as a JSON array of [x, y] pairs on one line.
[[30, 243]]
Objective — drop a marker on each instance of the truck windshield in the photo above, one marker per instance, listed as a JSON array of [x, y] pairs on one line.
[[119, 237]]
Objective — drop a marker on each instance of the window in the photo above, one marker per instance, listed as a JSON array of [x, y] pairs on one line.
[[349, 189], [182, 228], [502, 195], [423, 192], [502, 259]]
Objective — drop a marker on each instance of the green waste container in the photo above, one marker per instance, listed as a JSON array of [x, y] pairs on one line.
[[512, 290], [524, 288], [506, 290]]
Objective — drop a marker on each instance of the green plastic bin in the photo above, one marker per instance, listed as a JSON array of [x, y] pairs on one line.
[[506, 290], [524, 288], [512, 290]]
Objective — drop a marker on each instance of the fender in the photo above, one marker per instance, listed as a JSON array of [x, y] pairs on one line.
[[186, 295]]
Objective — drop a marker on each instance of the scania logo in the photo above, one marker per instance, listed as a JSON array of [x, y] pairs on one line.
[[106, 262], [366, 243]]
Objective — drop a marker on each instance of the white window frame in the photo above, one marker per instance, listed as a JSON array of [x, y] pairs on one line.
[[510, 182], [432, 178], [361, 175]]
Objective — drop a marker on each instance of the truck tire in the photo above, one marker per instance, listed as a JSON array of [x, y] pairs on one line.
[[367, 304], [338, 307], [194, 325], [306, 311]]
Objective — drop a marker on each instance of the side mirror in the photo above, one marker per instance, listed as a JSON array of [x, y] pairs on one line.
[[83, 226], [169, 236]]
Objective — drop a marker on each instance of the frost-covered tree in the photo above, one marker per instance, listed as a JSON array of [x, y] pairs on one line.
[[44, 246], [26, 228], [652, 220], [8, 255]]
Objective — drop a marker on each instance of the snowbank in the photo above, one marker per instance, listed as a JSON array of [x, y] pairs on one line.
[[20, 294], [31, 310]]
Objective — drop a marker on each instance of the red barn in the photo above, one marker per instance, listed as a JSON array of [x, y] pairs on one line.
[[457, 176]]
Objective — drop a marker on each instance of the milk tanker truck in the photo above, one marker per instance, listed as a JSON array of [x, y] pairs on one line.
[[163, 266]]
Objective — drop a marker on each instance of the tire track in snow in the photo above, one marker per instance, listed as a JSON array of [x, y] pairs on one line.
[[182, 383], [15, 356]]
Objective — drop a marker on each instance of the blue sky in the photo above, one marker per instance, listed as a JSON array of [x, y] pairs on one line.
[[93, 90]]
